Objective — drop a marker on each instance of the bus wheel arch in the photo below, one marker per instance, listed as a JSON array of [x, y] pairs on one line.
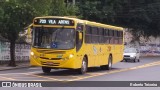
[[111, 56], [85, 56], [110, 61], [108, 66], [84, 65]]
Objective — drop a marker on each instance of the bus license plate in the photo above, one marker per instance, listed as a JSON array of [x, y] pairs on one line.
[[49, 63]]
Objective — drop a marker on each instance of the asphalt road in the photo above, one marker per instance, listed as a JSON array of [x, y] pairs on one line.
[[148, 69]]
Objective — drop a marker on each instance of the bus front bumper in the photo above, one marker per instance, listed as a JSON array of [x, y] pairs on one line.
[[56, 64]]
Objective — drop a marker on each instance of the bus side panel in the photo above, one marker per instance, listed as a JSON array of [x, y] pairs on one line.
[[88, 51], [117, 53], [106, 52]]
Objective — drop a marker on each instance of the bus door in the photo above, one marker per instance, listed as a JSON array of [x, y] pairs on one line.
[[79, 42], [79, 36]]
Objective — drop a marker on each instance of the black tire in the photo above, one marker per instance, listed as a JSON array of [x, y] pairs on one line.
[[109, 65], [138, 60], [46, 69], [84, 66], [134, 60], [126, 61], [122, 60]]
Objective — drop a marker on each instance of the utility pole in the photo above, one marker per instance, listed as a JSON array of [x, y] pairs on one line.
[[74, 2]]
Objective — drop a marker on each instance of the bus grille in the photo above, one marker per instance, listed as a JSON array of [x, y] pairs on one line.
[[54, 64], [50, 58]]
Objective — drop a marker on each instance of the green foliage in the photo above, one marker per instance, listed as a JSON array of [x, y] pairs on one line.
[[15, 15], [1, 15], [72, 10], [88, 10], [59, 8], [14, 18], [41, 6], [141, 16]]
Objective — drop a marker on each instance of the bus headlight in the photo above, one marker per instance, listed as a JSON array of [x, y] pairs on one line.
[[71, 56], [32, 53]]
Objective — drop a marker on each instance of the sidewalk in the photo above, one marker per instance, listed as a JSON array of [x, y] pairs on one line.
[[19, 65]]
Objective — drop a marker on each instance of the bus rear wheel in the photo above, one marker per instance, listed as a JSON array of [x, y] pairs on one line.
[[84, 66], [109, 65], [46, 69]]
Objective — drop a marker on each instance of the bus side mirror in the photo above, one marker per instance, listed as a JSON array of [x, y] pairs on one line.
[[80, 36]]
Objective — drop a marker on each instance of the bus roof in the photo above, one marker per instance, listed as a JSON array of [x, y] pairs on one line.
[[84, 21]]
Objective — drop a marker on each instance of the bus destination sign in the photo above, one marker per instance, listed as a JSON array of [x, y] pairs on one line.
[[53, 21]]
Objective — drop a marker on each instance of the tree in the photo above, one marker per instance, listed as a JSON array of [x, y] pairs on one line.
[[13, 19], [60, 8], [41, 7], [140, 16], [88, 10]]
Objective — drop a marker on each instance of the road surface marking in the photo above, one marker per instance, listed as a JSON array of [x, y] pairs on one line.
[[99, 74], [117, 71], [74, 76], [80, 77], [34, 68], [43, 77], [1, 77]]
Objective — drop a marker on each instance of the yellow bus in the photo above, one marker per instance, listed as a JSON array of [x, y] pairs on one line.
[[71, 43]]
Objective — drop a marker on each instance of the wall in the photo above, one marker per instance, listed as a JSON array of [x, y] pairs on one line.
[[22, 51], [147, 47]]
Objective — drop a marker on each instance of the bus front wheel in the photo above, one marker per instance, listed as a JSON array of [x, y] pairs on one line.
[[84, 66], [46, 69]]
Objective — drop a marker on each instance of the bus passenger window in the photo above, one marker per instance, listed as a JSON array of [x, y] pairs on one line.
[[88, 34]]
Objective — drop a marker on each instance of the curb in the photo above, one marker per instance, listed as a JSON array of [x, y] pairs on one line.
[[13, 68]]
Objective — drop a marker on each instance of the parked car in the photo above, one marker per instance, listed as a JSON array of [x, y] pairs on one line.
[[131, 54]]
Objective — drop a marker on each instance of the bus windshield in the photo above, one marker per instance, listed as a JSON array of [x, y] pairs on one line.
[[130, 50], [53, 38]]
